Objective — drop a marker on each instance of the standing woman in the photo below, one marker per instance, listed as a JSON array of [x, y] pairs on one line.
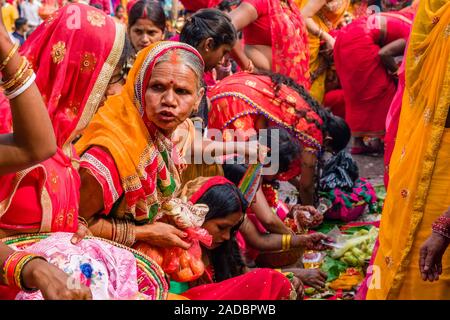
[[275, 38], [418, 195], [369, 78], [321, 17], [73, 77], [146, 23]]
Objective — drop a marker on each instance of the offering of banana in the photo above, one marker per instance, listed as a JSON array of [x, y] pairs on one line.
[[357, 249]]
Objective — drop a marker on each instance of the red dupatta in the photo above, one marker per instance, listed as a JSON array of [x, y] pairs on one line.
[[73, 53], [290, 52]]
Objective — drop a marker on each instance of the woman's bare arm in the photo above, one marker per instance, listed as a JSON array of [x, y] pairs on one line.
[[33, 139], [241, 17], [264, 213], [391, 50], [308, 12]]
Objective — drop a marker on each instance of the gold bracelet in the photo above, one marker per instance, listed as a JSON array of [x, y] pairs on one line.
[[11, 82], [288, 241], [9, 56], [20, 82], [83, 221], [283, 242]]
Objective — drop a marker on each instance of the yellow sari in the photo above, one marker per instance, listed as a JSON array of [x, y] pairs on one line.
[[327, 19], [419, 186]]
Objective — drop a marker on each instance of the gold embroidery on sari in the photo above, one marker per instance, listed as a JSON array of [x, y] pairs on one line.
[[58, 52], [96, 19], [88, 62], [47, 211], [438, 125], [101, 82]]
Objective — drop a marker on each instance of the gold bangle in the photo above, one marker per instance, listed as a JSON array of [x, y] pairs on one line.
[[11, 82], [9, 56], [20, 82], [283, 242], [83, 221], [288, 241]]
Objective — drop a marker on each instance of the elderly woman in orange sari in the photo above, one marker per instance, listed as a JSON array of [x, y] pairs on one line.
[[72, 77], [129, 164], [419, 179], [321, 17]]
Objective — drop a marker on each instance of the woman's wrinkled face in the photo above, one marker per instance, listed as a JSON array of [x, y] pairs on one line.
[[172, 94], [213, 57], [143, 33], [220, 228]]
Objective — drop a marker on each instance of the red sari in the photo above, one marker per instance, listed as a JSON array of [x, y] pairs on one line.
[[368, 88], [73, 66], [259, 284], [281, 26], [238, 101]]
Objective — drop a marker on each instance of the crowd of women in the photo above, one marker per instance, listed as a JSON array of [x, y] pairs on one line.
[[104, 198]]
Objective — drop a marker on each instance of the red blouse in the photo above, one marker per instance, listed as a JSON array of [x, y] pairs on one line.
[[259, 32]]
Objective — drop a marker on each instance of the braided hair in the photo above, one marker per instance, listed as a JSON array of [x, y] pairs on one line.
[[332, 125]]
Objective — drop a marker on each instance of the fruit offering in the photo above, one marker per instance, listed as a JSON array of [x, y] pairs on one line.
[[357, 249]]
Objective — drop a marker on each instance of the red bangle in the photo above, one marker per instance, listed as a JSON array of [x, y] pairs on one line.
[[9, 268], [13, 267], [442, 226]]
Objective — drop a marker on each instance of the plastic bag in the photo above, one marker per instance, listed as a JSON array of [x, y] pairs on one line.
[[181, 265], [183, 214], [340, 171]]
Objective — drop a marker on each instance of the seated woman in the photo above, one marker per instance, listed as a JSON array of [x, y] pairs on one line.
[[129, 165], [226, 276], [267, 222], [146, 23], [275, 38], [26, 146], [247, 103], [73, 80]]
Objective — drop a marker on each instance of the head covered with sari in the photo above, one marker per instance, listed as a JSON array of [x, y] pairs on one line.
[[227, 206], [73, 53], [146, 159]]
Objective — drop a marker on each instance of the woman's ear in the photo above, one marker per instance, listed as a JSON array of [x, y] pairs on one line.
[[201, 92], [209, 44], [327, 143]]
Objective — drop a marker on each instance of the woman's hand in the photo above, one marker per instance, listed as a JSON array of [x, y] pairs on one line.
[[315, 278], [53, 283], [298, 287], [430, 261], [81, 233], [306, 216], [162, 235], [315, 241]]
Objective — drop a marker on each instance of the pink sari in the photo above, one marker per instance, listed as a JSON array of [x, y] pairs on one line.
[[74, 53]]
